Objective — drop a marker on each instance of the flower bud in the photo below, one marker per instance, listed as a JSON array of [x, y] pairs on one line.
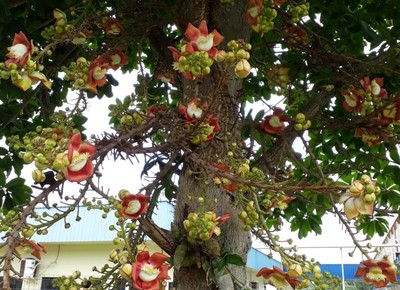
[[295, 271], [242, 69], [38, 176], [370, 198], [300, 118], [28, 157], [123, 193], [126, 271], [356, 188]]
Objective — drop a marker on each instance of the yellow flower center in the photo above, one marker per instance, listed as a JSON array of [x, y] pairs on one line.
[[278, 281], [375, 88], [194, 111], [99, 73], [18, 50], [116, 59], [78, 161], [148, 273], [133, 207], [375, 274], [275, 121], [205, 43]]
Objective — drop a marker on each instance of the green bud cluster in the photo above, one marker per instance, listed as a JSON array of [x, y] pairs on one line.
[[249, 216], [299, 11], [45, 147], [265, 22], [198, 63], [78, 73], [201, 227], [70, 282], [301, 122]]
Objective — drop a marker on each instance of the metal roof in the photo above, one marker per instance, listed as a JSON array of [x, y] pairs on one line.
[[93, 228]]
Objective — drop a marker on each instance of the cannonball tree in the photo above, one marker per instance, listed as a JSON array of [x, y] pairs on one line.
[[224, 89]]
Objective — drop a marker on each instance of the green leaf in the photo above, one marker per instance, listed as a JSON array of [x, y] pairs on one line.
[[234, 259], [180, 254], [14, 183]]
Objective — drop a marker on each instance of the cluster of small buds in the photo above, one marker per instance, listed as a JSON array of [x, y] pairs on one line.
[[59, 27], [118, 257], [275, 200], [129, 120], [45, 147], [249, 216], [198, 63], [299, 11], [71, 282], [365, 187], [265, 22], [301, 122], [238, 55], [78, 73], [278, 76], [202, 226], [7, 219]]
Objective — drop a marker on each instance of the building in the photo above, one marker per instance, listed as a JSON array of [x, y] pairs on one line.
[[87, 244]]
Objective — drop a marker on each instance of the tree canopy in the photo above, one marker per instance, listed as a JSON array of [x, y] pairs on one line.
[[224, 89]]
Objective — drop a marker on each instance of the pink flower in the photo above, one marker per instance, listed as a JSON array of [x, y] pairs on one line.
[[112, 26], [377, 273], [148, 271], [224, 182], [374, 87], [273, 124], [372, 136], [31, 247], [212, 123], [115, 58], [21, 50], [97, 74], [134, 205], [353, 100], [201, 40], [153, 109], [254, 11], [276, 277], [80, 166], [166, 78]]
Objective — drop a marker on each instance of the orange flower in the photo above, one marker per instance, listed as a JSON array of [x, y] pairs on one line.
[[224, 182], [353, 99], [377, 273], [148, 271], [374, 87], [134, 205], [254, 11], [273, 124], [80, 166], [276, 277], [31, 247], [21, 50], [115, 59], [201, 40], [97, 74], [112, 26], [153, 109]]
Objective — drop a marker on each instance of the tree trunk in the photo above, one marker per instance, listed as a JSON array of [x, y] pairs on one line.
[[230, 21]]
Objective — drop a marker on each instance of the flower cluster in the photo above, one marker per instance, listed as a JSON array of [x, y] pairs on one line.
[[55, 149], [195, 57], [260, 17], [372, 100], [299, 11], [377, 273], [223, 181], [274, 123], [203, 226], [301, 122], [20, 67], [111, 26], [193, 113], [278, 76], [249, 216], [278, 278], [88, 75], [360, 198], [132, 206]]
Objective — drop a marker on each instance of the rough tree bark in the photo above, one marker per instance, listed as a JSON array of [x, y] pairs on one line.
[[224, 102]]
